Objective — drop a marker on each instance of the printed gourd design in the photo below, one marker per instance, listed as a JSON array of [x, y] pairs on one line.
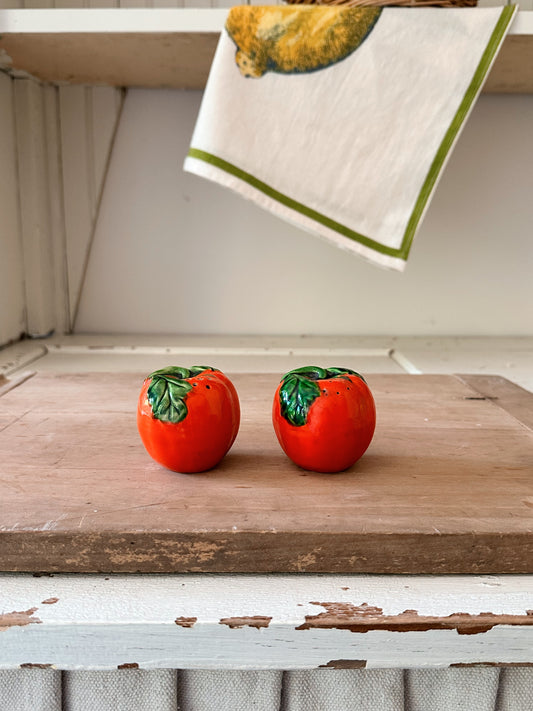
[[291, 40]]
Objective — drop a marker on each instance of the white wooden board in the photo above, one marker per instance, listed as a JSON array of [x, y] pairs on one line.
[[224, 622], [43, 44]]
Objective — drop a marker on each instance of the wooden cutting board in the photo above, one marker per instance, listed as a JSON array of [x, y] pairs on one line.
[[445, 487]]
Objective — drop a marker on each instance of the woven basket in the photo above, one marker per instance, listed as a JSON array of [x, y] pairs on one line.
[[382, 3]]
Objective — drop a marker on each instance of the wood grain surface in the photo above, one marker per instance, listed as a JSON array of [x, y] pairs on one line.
[[445, 487], [182, 60]]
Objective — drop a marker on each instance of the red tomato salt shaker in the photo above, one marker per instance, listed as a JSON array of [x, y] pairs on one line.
[[324, 419], [188, 418]]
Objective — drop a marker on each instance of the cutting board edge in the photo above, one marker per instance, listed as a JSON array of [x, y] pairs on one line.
[[488, 553]]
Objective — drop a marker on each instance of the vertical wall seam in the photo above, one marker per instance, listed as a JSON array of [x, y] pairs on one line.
[[16, 139], [89, 147], [66, 316], [123, 93]]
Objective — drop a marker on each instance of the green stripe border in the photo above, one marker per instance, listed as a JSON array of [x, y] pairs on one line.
[[450, 136], [287, 201]]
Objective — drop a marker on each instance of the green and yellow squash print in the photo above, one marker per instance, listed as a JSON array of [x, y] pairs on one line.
[[291, 40]]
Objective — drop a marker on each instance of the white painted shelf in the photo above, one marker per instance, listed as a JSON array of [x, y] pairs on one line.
[[169, 47], [264, 622], [512, 358]]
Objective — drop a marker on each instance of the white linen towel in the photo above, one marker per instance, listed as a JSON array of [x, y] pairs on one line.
[[340, 120]]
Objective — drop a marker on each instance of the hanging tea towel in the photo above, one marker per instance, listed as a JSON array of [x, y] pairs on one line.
[[341, 119]]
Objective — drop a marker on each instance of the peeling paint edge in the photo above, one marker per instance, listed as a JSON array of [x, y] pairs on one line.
[[365, 618], [31, 665], [491, 664], [344, 664], [18, 619], [258, 621], [186, 622]]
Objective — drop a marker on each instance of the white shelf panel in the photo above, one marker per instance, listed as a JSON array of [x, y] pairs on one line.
[[169, 47], [112, 21], [264, 622]]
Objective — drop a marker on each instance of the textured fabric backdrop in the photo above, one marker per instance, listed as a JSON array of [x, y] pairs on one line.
[[481, 689]]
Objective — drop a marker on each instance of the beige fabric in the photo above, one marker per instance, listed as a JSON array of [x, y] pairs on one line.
[[515, 692], [343, 690], [121, 690], [476, 689], [30, 690], [453, 689], [229, 690]]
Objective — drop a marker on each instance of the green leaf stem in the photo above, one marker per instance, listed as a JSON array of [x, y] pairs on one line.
[[339, 372], [297, 394], [299, 390], [168, 391]]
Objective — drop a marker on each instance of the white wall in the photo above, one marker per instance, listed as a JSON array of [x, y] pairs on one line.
[[175, 254], [12, 302]]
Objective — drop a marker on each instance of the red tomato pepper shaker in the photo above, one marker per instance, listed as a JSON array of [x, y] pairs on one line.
[[188, 418], [324, 419]]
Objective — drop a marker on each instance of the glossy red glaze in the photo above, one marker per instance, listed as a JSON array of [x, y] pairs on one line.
[[235, 402], [201, 440], [339, 427]]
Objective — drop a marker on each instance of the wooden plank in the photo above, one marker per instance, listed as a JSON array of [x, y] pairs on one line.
[[160, 59], [444, 488], [174, 50], [509, 396], [513, 70], [259, 621]]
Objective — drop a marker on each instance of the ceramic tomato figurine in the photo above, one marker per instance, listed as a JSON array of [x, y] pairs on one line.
[[188, 418], [324, 419]]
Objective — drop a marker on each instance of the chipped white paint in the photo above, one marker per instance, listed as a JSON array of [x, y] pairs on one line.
[[102, 621]]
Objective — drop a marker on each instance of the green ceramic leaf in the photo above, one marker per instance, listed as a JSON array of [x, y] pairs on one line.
[[173, 370], [167, 393], [312, 372], [297, 393], [339, 372], [197, 369], [299, 390]]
